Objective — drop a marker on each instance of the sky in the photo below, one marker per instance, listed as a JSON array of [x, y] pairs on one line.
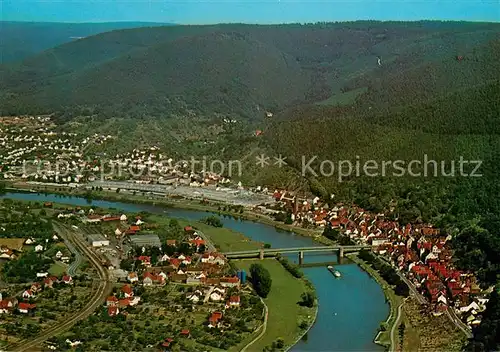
[[246, 11]]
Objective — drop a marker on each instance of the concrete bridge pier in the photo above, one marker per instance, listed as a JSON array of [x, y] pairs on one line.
[[341, 254], [261, 254], [301, 257]]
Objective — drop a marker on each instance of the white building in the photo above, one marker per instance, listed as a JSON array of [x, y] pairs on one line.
[[97, 240]]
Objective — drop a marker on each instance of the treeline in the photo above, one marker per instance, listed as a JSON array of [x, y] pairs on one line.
[[487, 335], [212, 220], [477, 248], [25, 268], [386, 271], [335, 235], [292, 268]]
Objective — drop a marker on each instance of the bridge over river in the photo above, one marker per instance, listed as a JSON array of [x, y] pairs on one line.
[[272, 252]]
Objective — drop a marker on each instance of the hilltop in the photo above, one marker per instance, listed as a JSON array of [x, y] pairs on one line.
[[23, 39], [242, 69]]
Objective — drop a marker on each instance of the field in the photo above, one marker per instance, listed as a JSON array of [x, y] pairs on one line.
[[285, 314], [424, 332], [346, 98], [224, 239], [13, 243], [227, 240], [57, 269]]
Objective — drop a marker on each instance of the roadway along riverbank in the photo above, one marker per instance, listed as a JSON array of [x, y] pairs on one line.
[[395, 325], [450, 313], [264, 327], [458, 323], [95, 301]]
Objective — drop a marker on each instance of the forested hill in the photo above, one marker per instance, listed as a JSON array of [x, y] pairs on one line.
[[245, 70], [23, 39]]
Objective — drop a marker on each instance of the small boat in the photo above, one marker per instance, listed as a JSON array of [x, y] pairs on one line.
[[335, 273]]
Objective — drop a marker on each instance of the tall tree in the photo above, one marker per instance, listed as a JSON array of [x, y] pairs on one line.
[[261, 279]]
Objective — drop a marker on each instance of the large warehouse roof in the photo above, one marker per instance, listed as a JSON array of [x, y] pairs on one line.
[[146, 240]]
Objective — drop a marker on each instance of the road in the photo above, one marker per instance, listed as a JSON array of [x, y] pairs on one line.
[[421, 299], [264, 327], [208, 242], [95, 301], [394, 343], [449, 312], [453, 317], [78, 256]]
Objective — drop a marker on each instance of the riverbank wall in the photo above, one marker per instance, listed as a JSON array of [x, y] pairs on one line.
[[390, 297]]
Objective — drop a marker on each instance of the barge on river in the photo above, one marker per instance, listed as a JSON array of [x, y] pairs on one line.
[[335, 273]]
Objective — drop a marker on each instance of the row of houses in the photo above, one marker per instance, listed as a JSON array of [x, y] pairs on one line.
[[420, 251], [8, 305], [190, 276], [34, 151], [126, 298]]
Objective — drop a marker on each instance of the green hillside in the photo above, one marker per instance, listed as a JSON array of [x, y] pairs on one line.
[[245, 69]]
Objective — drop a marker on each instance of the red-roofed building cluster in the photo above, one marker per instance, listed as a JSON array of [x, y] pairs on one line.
[[419, 251]]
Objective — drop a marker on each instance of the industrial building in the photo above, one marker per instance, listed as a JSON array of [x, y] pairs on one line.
[[97, 240], [147, 240]]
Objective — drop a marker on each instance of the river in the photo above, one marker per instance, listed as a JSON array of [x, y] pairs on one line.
[[350, 308]]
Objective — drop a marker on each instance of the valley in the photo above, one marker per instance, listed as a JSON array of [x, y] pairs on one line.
[[221, 119]]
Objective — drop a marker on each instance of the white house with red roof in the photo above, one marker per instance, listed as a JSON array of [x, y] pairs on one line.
[[111, 301], [214, 319], [132, 277], [7, 305], [233, 302], [232, 281], [27, 294], [150, 279], [25, 308], [145, 260], [67, 279], [127, 291], [113, 311]]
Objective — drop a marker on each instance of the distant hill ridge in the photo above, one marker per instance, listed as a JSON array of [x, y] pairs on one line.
[[23, 39], [243, 69]]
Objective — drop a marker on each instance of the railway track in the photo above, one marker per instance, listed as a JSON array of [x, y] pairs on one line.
[[103, 289]]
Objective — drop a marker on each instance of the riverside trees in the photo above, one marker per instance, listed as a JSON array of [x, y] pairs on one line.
[[261, 279]]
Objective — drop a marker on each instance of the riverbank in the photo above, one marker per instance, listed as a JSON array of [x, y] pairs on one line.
[[350, 298], [181, 203], [383, 337], [287, 320], [285, 294]]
